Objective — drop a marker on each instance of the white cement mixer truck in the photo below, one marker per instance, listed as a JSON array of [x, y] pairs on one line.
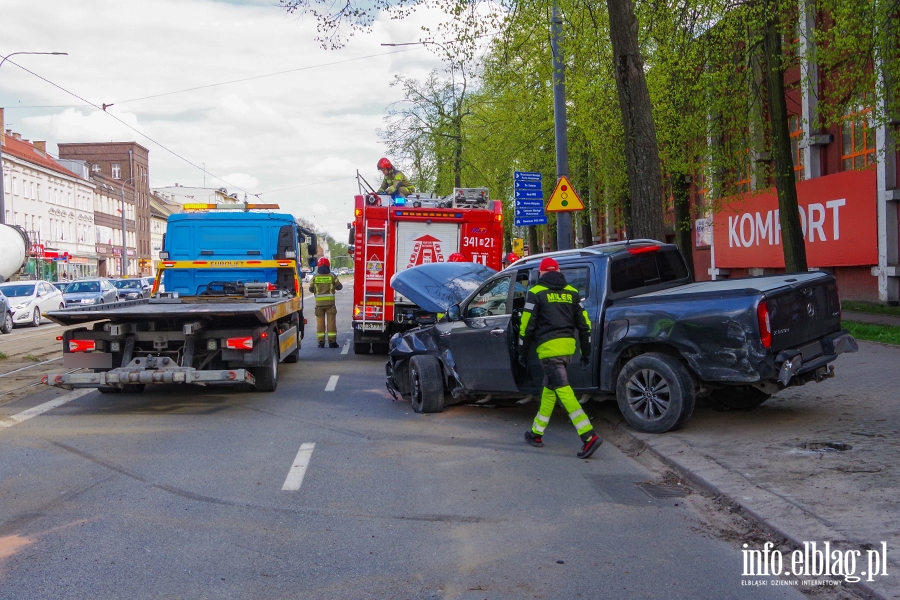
[[14, 247]]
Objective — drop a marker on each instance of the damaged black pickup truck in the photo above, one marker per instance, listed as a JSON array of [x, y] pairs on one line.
[[659, 340]]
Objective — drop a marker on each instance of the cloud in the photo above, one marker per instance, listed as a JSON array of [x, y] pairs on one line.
[[308, 129]]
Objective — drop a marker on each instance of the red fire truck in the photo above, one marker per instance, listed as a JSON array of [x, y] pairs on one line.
[[387, 237]]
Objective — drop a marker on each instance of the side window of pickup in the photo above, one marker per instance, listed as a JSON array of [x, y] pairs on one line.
[[634, 271], [578, 278]]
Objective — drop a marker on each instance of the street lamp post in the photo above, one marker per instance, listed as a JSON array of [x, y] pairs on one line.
[[124, 227], [2, 184]]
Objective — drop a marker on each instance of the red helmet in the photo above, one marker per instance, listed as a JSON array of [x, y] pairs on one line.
[[511, 258], [324, 262], [548, 264], [384, 164], [456, 257]]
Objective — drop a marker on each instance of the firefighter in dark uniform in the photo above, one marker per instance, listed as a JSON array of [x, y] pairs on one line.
[[324, 284], [395, 182], [552, 314]]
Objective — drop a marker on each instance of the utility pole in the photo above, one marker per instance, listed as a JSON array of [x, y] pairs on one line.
[[563, 219]]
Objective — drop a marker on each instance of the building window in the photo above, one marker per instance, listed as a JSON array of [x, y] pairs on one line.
[[796, 128], [95, 168], [116, 171], [857, 139]]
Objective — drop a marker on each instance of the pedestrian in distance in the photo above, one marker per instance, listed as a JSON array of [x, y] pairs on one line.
[[395, 183], [552, 314], [324, 284], [509, 259]]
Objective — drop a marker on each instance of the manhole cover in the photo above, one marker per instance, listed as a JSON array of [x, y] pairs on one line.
[[828, 446], [661, 492]]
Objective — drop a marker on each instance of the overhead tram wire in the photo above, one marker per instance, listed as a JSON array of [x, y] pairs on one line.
[[211, 85], [143, 135]]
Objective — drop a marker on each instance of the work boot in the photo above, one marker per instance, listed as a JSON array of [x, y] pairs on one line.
[[590, 446], [321, 344], [535, 440], [333, 345]]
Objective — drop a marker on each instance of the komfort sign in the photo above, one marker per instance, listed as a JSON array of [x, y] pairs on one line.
[[837, 213]]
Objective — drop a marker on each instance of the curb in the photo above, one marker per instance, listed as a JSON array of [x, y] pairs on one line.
[[778, 513]]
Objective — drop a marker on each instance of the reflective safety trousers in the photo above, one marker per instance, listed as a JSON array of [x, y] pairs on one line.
[[323, 288]]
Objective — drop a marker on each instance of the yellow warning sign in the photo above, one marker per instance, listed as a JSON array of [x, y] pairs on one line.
[[564, 197]]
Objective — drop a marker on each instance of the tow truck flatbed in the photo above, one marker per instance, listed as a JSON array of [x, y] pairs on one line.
[[264, 310]]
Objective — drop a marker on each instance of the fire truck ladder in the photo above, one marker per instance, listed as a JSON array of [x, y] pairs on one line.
[[374, 299]]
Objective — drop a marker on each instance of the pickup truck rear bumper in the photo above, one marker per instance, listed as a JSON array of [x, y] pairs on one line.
[[800, 365], [143, 371]]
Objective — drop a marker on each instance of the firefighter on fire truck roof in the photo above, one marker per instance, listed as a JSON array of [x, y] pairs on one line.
[[395, 182], [324, 284]]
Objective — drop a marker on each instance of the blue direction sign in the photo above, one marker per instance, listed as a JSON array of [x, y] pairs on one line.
[[527, 185], [530, 212], [526, 221], [520, 203], [526, 176], [529, 194]]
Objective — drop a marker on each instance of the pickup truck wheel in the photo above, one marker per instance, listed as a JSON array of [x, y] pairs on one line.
[[739, 397], [267, 376], [426, 386], [655, 393], [7, 325]]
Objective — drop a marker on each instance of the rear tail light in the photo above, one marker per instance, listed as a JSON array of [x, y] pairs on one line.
[[765, 326], [272, 287], [239, 343], [82, 345]]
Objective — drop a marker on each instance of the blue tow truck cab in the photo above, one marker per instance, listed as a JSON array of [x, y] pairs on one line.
[[230, 312]]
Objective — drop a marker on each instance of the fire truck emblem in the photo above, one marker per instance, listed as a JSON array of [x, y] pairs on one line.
[[374, 268], [427, 249]]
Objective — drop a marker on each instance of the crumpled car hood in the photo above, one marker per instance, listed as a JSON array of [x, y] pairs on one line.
[[435, 287]]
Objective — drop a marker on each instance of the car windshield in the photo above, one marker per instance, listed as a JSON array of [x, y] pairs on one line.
[[80, 287], [127, 284], [18, 291]]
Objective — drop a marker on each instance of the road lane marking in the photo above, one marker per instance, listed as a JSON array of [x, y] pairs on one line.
[[42, 408], [298, 470], [332, 383], [32, 366], [346, 347]]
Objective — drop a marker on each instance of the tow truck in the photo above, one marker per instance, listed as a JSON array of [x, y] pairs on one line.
[[389, 235], [232, 309]]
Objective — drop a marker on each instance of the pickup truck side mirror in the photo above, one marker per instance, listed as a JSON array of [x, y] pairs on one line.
[[453, 313]]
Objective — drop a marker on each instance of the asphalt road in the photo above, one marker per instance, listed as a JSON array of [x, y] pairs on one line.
[[180, 493]]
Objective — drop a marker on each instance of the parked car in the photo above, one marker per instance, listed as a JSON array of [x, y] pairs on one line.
[[85, 292], [6, 313], [30, 299], [132, 289], [658, 340]]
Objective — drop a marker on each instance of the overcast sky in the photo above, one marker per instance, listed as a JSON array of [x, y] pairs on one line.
[[312, 128]]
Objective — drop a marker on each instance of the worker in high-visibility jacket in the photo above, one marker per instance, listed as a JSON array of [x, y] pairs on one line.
[[323, 286], [395, 182], [552, 314]]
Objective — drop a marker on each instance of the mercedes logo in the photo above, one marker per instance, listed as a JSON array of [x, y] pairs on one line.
[[810, 310]]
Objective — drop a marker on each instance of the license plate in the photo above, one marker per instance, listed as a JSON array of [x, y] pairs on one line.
[[811, 351], [372, 327]]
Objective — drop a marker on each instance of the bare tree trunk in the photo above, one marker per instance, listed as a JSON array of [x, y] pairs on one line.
[[533, 240], [683, 239], [641, 150], [791, 231]]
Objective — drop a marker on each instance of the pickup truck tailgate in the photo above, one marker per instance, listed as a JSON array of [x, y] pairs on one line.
[[806, 308]]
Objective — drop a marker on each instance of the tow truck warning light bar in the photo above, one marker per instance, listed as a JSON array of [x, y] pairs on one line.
[[230, 206]]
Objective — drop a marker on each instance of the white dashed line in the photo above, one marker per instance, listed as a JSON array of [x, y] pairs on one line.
[[332, 383], [42, 408], [298, 470], [346, 347]]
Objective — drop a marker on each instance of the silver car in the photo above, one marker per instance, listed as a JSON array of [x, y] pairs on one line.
[[132, 289], [28, 300], [88, 292]]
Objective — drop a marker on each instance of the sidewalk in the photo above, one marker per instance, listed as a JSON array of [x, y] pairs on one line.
[[761, 460], [861, 317]]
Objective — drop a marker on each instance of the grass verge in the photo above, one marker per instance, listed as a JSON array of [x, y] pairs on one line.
[[871, 308], [34, 358], [3, 356], [873, 333]]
